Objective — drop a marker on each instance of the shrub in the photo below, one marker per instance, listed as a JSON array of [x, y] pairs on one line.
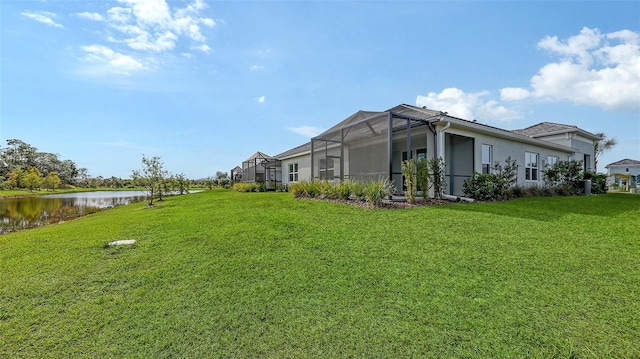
[[484, 187], [492, 186], [564, 175], [436, 168], [598, 183], [358, 190], [343, 190], [297, 189], [410, 179], [375, 191], [244, 187], [422, 174]]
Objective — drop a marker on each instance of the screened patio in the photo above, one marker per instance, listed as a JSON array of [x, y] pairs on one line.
[[262, 168], [372, 145]]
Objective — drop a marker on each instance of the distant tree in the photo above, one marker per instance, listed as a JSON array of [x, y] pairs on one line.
[[151, 176], [209, 182], [15, 177], [68, 172], [33, 179], [181, 183], [601, 146], [51, 181], [82, 177], [221, 175], [19, 154]]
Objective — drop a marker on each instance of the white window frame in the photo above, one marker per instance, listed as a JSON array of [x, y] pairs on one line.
[[486, 166], [531, 167], [293, 172]]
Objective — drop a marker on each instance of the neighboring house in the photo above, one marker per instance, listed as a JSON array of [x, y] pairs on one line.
[[262, 168], [371, 145], [624, 173]]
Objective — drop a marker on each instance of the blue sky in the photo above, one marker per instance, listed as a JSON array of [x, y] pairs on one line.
[[205, 84]]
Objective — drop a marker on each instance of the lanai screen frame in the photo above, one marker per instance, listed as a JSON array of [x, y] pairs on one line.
[[390, 121], [267, 164]]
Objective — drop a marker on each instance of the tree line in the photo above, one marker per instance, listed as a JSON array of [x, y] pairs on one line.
[[23, 166]]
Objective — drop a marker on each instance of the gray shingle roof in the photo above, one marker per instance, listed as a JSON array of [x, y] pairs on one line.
[[294, 151], [544, 128], [625, 162]]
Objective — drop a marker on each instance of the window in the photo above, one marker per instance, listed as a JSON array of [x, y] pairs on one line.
[[293, 172], [531, 166], [552, 160], [487, 154]]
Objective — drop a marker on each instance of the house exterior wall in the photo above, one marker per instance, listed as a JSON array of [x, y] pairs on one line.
[[583, 145], [304, 168], [505, 148]]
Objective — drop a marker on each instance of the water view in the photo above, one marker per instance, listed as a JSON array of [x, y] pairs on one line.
[[29, 212]]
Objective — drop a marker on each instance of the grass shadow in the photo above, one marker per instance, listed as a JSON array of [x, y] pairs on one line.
[[552, 208]]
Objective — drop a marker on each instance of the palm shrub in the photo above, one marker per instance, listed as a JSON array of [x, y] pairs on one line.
[[410, 179], [358, 190], [325, 189], [375, 191], [297, 189], [244, 187], [343, 190]]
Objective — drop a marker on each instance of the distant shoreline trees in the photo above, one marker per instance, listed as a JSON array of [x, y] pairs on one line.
[[23, 166]]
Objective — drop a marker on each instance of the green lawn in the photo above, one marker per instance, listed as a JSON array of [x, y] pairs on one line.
[[225, 274]]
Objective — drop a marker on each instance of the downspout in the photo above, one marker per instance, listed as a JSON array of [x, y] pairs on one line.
[[441, 147], [311, 179], [390, 148], [433, 130], [440, 141]]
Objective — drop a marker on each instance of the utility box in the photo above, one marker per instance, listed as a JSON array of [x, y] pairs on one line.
[[586, 187]]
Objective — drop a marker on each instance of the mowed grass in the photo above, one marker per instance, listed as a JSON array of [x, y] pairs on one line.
[[225, 274]]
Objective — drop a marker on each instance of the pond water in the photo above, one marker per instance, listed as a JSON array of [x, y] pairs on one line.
[[28, 212]]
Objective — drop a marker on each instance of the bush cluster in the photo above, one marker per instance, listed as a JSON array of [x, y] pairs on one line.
[[495, 186], [564, 178], [371, 192], [598, 182], [249, 187], [421, 175]]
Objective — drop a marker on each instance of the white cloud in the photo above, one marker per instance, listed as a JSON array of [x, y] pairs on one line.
[[593, 68], [93, 16], [261, 99], [306, 131], [105, 61], [152, 26], [514, 94], [150, 12], [256, 68], [468, 106], [43, 17], [204, 48]]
